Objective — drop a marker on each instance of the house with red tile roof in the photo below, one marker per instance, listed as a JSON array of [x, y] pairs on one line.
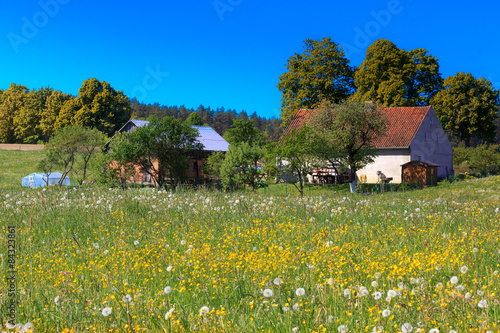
[[413, 134]]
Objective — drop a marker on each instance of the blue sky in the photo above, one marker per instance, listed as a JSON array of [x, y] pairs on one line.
[[226, 52]]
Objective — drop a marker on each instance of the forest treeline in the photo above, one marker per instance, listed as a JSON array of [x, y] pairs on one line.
[[219, 118], [33, 116]]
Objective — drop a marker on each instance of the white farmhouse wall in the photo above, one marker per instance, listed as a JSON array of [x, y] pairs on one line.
[[388, 162], [431, 144]]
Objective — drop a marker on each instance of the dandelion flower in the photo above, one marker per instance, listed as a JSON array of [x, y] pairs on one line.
[[386, 313], [278, 281], [378, 329], [136, 242], [330, 319], [300, 292], [167, 290], [434, 330], [127, 298], [168, 315], [204, 311], [329, 243], [377, 295], [343, 329], [454, 280], [439, 285], [464, 269], [453, 331], [295, 329], [331, 281], [347, 292], [106, 311], [374, 284], [267, 293], [406, 328], [56, 300], [296, 307], [475, 250], [169, 268], [483, 304], [183, 242], [391, 293], [480, 292]]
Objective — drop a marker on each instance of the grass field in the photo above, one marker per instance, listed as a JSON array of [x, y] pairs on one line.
[[90, 259], [16, 164]]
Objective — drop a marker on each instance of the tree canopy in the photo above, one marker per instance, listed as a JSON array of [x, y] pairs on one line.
[[320, 72], [391, 76], [348, 131], [468, 107]]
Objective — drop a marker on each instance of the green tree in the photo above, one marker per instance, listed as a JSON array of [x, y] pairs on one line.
[[241, 165], [468, 107], [194, 119], [390, 76], [320, 72], [349, 130], [244, 131], [27, 120], [71, 149], [12, 102], [292, 157], [246, 150], [167, 142], [114, 166], [50, 112], [98, 106], [484, 158], [213, 164]]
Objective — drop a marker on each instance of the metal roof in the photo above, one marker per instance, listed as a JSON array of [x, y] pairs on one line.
[[210, 139]]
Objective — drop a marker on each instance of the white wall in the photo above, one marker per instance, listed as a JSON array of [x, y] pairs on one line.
[[432, 144], [388, 162]]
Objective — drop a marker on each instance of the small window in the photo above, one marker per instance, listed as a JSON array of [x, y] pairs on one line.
[[432, 171], [32, 179]]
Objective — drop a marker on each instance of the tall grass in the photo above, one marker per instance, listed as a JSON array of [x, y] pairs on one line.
[[100, 260]]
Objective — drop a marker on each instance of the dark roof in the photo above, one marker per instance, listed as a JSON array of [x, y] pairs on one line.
[[422, 163], [402, 125]]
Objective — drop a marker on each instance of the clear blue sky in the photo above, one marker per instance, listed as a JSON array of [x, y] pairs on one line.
[[226, 52]]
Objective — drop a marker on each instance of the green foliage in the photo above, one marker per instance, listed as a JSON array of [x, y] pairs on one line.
[[12, 101], [98, 106], [51, 111], [194, 119], [468, 107], [294, 158], [390, 76], [484, 157], [28, 118], [17, 164], [461, 155], [348, 131], [114, 166], [244, 131], [241, 165], [71, 150], [320, 72], [168, 142], [213, 164]]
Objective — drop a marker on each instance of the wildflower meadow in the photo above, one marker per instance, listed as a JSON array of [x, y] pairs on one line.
[[90, 259]]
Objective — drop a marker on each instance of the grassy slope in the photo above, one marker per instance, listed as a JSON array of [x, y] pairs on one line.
[[16, 164]]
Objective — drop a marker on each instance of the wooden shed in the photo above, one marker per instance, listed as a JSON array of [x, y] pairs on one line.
[[420, 172]]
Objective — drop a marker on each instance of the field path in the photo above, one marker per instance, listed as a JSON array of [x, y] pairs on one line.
[[20, 146]]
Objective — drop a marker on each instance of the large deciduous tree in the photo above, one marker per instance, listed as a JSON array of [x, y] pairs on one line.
[[12, 101], [349, 131], [98, 106], [320, 72], [28, 119], [468, 107], [391, 76]]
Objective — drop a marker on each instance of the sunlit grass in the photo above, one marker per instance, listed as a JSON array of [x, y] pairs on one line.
[[16, 164], [107, 260]]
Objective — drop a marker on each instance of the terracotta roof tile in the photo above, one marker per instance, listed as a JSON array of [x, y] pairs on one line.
[[402, 124]]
